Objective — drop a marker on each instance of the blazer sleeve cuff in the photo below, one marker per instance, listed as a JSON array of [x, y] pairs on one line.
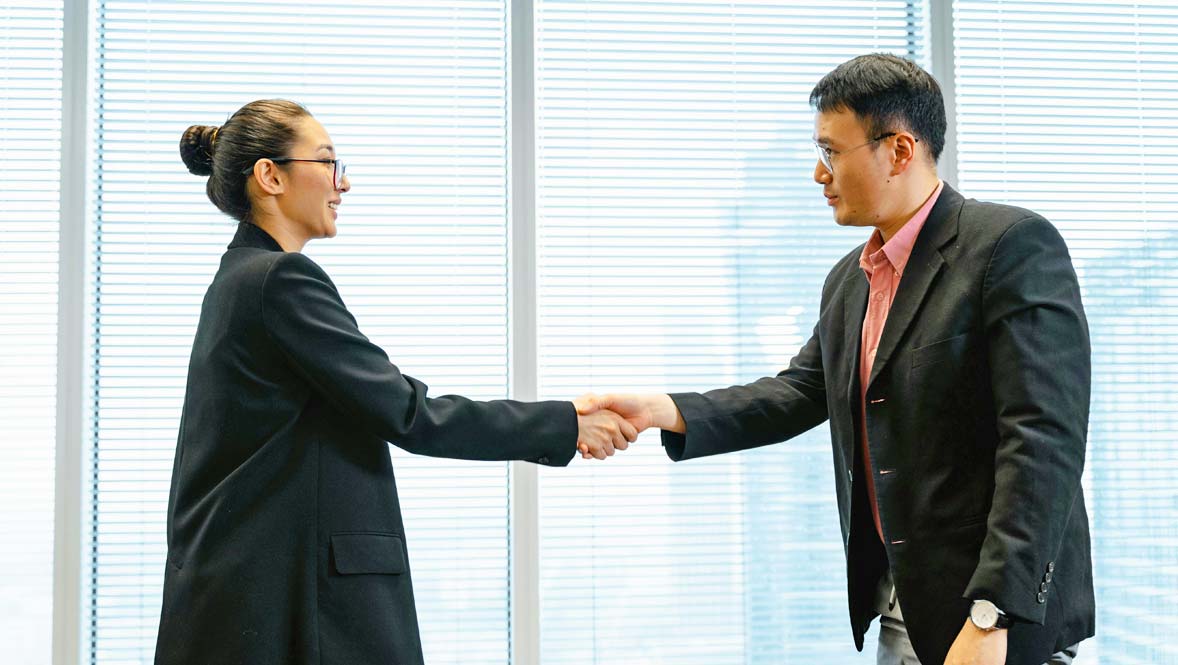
[[1021, 599], [564, 435], [695, 409]]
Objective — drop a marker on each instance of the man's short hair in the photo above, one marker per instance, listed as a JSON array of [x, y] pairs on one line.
[[887, 93]]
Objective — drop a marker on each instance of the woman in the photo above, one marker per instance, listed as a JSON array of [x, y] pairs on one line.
[[285, 541]]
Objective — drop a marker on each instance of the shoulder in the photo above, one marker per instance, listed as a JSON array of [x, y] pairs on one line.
[[292, 270], [991, 224]]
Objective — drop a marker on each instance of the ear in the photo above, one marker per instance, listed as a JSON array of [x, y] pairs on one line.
[[269, 178], [904, 152]]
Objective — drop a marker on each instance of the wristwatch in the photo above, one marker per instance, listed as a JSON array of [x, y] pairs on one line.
[[986, 616]]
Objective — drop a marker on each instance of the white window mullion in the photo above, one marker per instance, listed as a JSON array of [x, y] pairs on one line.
[[525, 537], [941, 57], [70, 486]]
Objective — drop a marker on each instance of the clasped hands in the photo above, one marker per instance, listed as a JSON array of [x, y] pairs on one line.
[[608, 423]]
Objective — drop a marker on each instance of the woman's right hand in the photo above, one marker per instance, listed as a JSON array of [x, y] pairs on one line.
[[601, 433]]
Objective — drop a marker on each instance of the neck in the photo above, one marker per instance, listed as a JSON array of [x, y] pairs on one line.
[[913, 195], [289, 241]]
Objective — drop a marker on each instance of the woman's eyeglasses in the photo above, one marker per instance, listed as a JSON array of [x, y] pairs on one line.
[[337, 166]]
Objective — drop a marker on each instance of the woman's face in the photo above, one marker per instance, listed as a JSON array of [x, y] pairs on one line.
[[311, 199]]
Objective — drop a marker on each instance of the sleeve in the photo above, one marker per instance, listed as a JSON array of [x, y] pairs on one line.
[[1040, 375], [307, 321], [766, 411]]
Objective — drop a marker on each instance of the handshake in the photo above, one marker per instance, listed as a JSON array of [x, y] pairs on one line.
[[608, 423]]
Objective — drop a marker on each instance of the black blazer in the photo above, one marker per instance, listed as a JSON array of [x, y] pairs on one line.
[[977, 417], [285, 541]]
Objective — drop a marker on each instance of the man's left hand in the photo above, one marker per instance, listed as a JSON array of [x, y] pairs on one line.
[[975, 646]]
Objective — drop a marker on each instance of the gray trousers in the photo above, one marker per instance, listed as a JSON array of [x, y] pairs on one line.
[[894, 646]]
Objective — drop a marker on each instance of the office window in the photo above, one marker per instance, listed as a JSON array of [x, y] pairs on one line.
[[30, 142], [683, 245], [1067, 108], [413, 94]]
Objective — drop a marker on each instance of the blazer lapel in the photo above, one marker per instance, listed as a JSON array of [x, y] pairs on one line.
[[855, 290], [924, 265]]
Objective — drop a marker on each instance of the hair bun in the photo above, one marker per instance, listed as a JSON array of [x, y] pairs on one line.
[[196, 149]]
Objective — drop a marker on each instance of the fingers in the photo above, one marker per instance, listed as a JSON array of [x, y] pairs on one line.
[[602, 433], [619, 442], [629, 431]]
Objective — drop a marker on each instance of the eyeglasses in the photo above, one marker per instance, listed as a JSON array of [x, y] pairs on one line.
[[826, 155], [337, 166]]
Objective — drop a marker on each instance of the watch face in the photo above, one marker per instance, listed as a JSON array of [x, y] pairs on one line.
[[983, 615]]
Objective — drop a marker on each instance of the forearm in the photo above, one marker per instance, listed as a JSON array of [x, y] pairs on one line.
[[664, 414]]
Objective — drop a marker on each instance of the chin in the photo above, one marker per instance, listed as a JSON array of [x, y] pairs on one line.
[[843, 220]]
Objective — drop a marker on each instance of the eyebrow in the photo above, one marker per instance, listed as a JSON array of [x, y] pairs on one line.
[[326, 146]]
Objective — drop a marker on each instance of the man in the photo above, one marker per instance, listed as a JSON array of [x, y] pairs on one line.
[[951, 357]]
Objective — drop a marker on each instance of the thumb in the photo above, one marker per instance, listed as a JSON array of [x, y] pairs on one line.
[[587, 404]]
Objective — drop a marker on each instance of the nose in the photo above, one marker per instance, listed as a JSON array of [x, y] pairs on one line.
[[821, 175], [345, 184]]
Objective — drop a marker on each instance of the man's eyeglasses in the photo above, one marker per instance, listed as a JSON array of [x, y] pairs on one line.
[[826, 155], [337, 166]]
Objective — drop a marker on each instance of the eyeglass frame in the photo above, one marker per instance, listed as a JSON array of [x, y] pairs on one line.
[[338, 167], [826, 155]]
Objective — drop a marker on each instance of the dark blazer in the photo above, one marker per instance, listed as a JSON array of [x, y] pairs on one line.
[[977, 414], [285, 541]]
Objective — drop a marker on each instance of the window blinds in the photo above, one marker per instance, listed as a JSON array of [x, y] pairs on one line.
[[413, 94]]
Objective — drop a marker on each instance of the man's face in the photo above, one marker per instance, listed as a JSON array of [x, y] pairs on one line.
[[860, 169]]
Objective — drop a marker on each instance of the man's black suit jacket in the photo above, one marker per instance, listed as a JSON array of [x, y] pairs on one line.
[[977, 417], [285, 540]]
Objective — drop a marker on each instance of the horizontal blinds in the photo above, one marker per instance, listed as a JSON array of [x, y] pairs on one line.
[[413, 95], [1067, 108], [682, 246], [30, 143]]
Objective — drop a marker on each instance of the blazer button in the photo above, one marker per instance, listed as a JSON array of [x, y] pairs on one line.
[[1051, 566], [1042, 597], [543, 460], [1043, 587], [1047, 577]]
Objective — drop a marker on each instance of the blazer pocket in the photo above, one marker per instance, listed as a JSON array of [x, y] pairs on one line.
[[942, 350], [368, 553]]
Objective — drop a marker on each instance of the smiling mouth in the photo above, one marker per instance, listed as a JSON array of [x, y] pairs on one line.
[[333, 206]]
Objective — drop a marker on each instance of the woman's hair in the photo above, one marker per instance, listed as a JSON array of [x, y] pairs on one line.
[[263, 129]]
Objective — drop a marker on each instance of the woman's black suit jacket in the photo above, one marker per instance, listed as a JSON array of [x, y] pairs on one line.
[[285, 541]]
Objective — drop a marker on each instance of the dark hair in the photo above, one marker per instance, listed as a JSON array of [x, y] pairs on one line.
[[886, 92], [265, 128]]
